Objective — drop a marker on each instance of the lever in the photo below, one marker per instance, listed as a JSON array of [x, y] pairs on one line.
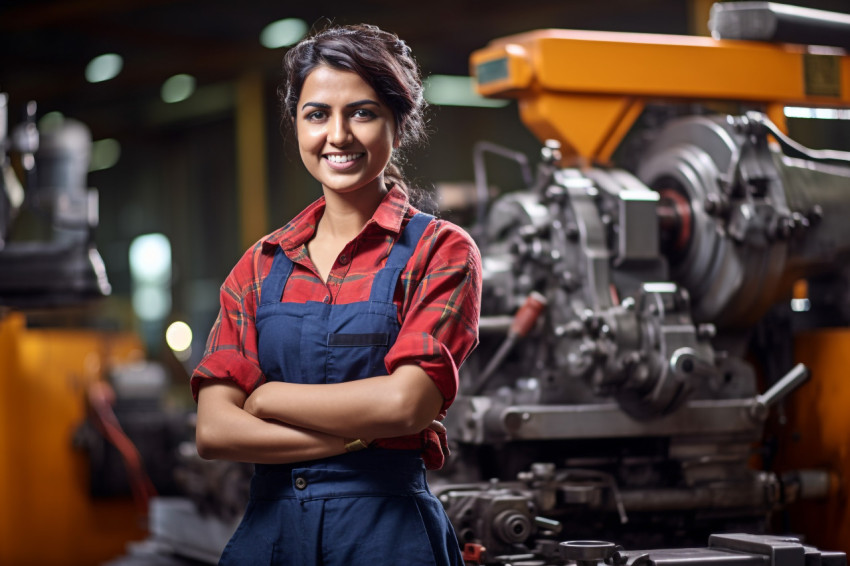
[[798, 375], [522, 324]]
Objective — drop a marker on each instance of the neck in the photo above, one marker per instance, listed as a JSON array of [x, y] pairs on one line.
[[346, 213]]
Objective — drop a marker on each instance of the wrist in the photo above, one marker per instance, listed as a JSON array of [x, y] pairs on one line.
[[354, 444]]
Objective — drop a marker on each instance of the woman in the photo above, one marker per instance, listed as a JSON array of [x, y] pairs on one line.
[[358, 285]]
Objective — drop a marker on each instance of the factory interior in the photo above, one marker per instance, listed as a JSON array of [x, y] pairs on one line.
[[660, 195]]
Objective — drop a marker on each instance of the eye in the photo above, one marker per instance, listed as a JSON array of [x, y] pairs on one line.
[[316, 116], [363, 114]]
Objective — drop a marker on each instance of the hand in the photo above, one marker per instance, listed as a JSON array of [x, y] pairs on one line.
[[437, 427], [252, 403], [440, 429]]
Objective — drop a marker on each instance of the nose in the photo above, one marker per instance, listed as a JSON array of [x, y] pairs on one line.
[[339, 132]]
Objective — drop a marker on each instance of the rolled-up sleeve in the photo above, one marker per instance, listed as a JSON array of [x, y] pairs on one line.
[[231, 350], [440, 321]]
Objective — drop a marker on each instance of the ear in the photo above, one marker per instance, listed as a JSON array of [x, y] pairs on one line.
[[396, 141]]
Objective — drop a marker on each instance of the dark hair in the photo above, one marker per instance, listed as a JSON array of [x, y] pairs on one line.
[[381, 59]]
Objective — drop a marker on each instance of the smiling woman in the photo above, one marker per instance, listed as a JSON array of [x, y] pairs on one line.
[[336, 351]]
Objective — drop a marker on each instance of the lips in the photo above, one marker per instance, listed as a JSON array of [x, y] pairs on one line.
[[342, 161]]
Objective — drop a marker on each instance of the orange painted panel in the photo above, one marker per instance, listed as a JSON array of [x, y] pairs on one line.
[[47, 516], [818, 436]]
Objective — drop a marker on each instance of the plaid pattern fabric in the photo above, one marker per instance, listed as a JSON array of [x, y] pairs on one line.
[[438, 299]]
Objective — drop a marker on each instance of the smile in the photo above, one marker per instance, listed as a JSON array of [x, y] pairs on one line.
[[344, 158]]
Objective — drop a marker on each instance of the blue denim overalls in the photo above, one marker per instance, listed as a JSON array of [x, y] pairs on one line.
[[371, 507]]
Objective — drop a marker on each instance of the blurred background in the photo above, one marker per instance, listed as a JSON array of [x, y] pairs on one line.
[[191, 166]]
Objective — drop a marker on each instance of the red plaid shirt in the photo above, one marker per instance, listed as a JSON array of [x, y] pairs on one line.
[[438, 299]]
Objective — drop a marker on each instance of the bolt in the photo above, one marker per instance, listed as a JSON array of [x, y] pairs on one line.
[[706, 331], [527, 232], [543, 470], [800, 221], [571, 282], [786, 225], [551, 151], [572, 329], [556, 192]]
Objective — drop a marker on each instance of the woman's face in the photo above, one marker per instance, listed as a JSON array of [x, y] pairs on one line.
[[345, 133]]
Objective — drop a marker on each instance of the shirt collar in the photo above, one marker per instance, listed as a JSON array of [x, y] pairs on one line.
[[302, 228]]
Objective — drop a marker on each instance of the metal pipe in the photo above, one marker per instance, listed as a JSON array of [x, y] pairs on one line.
[[780, 23]]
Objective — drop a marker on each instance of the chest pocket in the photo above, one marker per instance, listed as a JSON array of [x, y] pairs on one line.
[[357, 345]]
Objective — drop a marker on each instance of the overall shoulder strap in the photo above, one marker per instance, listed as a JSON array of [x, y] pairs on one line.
[[271, 290], [383, 287]]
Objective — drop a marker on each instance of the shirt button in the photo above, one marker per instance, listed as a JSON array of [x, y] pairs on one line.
[[327, 299], [300, 483], [343, 259]]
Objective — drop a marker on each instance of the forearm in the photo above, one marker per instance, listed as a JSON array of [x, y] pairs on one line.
[[227, 432], [403, 403]]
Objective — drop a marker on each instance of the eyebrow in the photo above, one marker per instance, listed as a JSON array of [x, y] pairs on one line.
[[323, 106]]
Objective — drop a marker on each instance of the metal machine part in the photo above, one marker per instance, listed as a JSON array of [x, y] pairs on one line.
[[749, 220], [56, 262], [24, 140], [733, 548], [769, 21], [628, 409]]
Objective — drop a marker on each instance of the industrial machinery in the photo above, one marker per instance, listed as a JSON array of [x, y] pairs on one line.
[[637, 327], [54, 262]]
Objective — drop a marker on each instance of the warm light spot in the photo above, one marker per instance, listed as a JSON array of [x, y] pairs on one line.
[[178, 336]]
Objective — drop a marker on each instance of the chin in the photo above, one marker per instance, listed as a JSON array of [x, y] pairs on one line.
[[348, 188]]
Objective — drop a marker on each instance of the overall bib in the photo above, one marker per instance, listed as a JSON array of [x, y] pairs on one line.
[[371, 507]]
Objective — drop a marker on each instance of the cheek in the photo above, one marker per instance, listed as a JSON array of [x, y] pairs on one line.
[[309, 141], [382, 139]]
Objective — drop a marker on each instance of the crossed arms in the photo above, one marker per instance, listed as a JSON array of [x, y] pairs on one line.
[[282, 422]]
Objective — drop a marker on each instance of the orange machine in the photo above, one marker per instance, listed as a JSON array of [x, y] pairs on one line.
[[587, 88], [48, 516]]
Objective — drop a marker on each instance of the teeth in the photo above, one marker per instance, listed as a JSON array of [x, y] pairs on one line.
[[343, 158]]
